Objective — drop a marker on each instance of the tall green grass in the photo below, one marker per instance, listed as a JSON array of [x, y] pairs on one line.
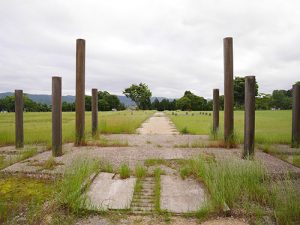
[[69, 189], [37, 125], [243, 185], [270, 126]]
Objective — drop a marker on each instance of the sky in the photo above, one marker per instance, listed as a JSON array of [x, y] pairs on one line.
[[171, 45]]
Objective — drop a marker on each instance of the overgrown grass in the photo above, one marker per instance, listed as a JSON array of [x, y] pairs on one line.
[[124, 171], [270, 126], [243, 185], [157, 188], [140, 171], [19, 195], [37, 126], [70, 190], [24, 154]]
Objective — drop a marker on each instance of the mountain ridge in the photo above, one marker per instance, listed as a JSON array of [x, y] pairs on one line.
[[46, 99]]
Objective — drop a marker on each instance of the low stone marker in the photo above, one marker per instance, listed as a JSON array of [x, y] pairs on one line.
[[108, 193], [181, 196]]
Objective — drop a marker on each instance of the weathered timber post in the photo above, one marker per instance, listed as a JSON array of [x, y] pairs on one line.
[[80, 91], [56, 117], [216, 108], [296, 116], [228, 88], [19, 119], [94, 111], [249, 125]]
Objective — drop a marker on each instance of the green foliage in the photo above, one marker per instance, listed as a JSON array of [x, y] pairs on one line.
[[184, 172], [239, 91], [191, 101], [157, 188], [140, 94], [243, 185], [8, 104], [281, 99], [107, 102], [37, 125], [184, 130], [263, 101], [69, 189], [17, 192], [164, 104], [124, 171], [270, 126], [140, 171]]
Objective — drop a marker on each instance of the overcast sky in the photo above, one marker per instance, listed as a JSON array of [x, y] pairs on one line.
[[171, 45]]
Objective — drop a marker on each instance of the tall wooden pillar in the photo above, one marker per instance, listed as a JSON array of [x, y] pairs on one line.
[[80, 91], [94, 111], [216, 108], [228, 88], [19, 105], [296, 116], [249, 125], [56, 117]]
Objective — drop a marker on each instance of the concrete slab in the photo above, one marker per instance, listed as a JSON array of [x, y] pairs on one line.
[[180, 196], [108, 193]]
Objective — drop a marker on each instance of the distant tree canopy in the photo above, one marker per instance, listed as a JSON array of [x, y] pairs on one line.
[[190, 101], [8, 104], [140, 94], [239, 91], [106, 102]]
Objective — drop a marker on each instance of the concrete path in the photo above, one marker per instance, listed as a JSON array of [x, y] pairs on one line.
[[108, 193], [181, 196], [158, 124]]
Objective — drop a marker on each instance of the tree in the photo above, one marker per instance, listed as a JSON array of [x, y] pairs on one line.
[[239, 91], [184, 103], [190, 101], [263, 101], [107, 101], [281, 99], [140, 94]]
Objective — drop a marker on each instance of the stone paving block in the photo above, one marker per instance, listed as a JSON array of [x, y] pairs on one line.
[[108, 193], [180, 196]]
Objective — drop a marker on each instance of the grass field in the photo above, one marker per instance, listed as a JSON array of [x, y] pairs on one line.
[[270, 126], [37, 126]]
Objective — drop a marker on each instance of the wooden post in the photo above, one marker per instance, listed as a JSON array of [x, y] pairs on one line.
[[19, 105], [228, 88], [56, 117], [80, 91], [296, 116], [216, 108], [249, 125], [94, 111]]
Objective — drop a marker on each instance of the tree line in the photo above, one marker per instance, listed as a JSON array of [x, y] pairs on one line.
[[106, 102], [141, 95]]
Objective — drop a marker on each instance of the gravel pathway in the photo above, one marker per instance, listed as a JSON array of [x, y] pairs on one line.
[[158, 124]]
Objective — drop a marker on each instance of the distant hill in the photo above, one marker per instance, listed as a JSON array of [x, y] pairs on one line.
[[46, 99]]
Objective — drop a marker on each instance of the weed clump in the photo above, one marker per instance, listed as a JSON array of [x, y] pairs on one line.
[[124, 171], [140, 171], [184, 130]]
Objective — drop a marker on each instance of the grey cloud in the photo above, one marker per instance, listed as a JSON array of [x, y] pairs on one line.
[[172, 45]]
